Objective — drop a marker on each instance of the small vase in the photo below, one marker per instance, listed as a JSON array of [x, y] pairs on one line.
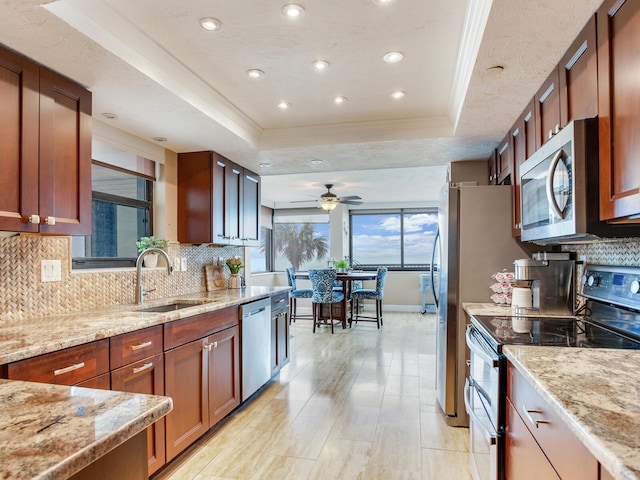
[[234, 280], [151, 260]]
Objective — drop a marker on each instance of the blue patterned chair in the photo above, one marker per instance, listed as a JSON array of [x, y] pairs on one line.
[[361, 294], [295, 293], [322, 286]]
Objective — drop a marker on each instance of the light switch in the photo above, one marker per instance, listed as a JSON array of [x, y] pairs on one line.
[[50, 270], [183, 264], [176, 264]]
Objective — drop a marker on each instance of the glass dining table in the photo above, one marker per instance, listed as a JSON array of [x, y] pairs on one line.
[[346, 278]]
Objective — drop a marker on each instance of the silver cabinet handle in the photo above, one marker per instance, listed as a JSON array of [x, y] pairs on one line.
[[33, 219], [50, 220], [68, 369], [529, 411], [208, 347], [144, 367], [141, 345], [215, 344]]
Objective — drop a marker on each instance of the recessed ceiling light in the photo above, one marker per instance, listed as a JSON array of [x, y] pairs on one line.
[[316, 162], [393, 57], [160, 139], [398, 94], [210, 23], [284, 105], [255, 73], [292, 10], [110, 116], [265, 165], [339, 100], [384, 2], [320, 65]]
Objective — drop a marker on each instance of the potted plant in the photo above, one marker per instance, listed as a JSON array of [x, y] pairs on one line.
[[341, 265], [234, 264], [144, 243]]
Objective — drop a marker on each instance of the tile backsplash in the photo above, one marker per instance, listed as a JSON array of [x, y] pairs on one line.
[[24, 295]]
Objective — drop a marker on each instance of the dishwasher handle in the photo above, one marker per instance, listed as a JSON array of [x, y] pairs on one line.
[[255, 312]]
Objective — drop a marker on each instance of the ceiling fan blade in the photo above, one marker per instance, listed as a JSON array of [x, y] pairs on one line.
[[351, 202], [351, 197]]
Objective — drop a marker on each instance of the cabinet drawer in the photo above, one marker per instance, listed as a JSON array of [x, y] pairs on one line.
[[101, 382], [565, 451], [189, 329], [65, 367], [280, 302], [133, 346]]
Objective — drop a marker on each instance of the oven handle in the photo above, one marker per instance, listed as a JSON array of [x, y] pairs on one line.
[[550, 196], [492, 436], [494, 362]]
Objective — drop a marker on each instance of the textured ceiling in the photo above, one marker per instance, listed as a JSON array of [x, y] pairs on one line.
[[149, 62]]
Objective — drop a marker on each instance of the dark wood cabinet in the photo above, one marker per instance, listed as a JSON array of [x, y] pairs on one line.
[[280, 336], [492, 163], [218, 200], [523, 144], [101, 382], [619, 108], [578, 77], [137, 365], [547, 109], [45, 150], [528, 411], [504, 159], [223, 359]]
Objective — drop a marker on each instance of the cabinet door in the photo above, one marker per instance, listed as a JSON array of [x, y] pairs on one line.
[[195, 201], [578, 72], [523, 145], [19, 104], [224, 373], [251, 209], [101, 382], [619, 108], [524, 459], [220, 167], [235, 203], [547, 105], [505, 158], [274, 344], [186, 383], [65, 156], [145, 376], [493, 168], [284, 342]]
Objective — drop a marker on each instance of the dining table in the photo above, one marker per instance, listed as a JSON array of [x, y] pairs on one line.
[[346, 278]]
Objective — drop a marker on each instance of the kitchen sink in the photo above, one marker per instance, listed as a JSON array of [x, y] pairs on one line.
[[169, 307]]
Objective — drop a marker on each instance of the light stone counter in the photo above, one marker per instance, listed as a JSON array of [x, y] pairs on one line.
[[597, 393], [500, 311], [27, 338], [53, 431]]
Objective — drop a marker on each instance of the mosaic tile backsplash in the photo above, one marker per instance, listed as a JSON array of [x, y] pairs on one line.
[[23, 295]]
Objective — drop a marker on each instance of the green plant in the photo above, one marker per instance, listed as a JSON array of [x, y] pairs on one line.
[[340, 264], [151, 242], [235, 264]]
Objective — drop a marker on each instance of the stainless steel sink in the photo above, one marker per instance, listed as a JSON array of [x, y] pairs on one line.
[[169, 307]]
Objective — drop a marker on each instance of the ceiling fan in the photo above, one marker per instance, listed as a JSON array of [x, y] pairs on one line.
[[329, 200]]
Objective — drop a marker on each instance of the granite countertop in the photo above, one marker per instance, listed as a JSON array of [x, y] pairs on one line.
[[36, 419], [30, 337], [501, 310], [596, 392]]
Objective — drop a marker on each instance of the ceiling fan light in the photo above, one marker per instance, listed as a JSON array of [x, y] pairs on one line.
[[328, 205]]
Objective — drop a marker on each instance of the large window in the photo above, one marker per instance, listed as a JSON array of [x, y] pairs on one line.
[[121, 213], [300, 239], [398, 239], [262, 256]]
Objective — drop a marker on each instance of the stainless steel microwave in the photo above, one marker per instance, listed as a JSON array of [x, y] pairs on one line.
[[559, 190]]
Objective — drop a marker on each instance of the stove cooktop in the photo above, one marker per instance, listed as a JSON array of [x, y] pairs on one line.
[[550, 331]]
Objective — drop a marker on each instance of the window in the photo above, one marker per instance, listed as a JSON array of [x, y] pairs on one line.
[[400, 239], [121, 213], [262, 256], [300, 239]]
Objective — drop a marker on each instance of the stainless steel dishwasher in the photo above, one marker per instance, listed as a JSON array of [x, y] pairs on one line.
[[256, 345]]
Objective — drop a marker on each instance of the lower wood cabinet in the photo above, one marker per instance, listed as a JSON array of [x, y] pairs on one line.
[[145, 376], [203, 378], [280, 338]]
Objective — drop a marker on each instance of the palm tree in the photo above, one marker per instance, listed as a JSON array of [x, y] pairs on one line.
[[300, 243]]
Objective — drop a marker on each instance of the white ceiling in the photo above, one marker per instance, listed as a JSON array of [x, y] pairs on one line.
[[149, 62]]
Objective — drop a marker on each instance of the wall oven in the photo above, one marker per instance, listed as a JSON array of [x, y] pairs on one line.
[[559, 186], [611, 320]]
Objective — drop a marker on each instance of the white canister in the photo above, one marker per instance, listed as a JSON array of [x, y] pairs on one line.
[[521, 297]]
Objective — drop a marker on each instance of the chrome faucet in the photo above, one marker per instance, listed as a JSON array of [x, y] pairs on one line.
[[140, 292]]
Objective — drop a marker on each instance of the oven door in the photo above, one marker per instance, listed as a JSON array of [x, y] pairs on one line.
[[483, 437], [547, 192]]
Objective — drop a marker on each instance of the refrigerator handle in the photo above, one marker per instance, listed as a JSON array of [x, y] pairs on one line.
[[433, 256]]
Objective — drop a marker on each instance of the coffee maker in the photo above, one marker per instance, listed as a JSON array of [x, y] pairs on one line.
[[551, 277]]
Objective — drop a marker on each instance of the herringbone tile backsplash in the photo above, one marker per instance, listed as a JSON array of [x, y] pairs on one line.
[[23, 295]]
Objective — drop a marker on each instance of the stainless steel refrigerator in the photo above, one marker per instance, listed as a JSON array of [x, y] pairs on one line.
[[474, 241]]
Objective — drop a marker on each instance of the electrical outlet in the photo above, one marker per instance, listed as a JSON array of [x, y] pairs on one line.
[[176, 264], [183, 264], [50, 271]]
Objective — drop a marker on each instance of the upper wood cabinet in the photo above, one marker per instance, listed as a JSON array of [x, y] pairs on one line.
[[619, 108], [547, 109], [504, 159], [45, 150], [523, 144], [218, 201]]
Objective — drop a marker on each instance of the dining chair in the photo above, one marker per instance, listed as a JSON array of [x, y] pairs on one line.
[[295, 293], [323, 293], [370, 294]]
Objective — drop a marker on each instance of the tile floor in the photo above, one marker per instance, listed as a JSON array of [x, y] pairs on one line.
[[359, 404]]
